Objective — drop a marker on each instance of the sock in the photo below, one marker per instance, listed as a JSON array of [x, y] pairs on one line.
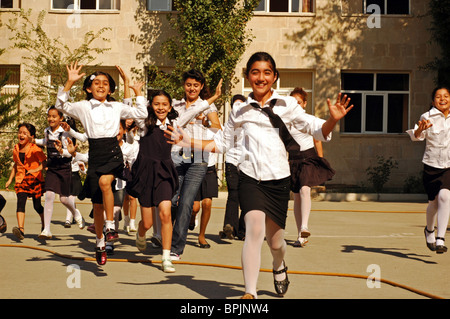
[[166, 254], [109, 224], [101, 242], [132, 223]]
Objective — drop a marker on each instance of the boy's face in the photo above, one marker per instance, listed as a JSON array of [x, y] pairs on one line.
[[441, 100], [24, 136], [99, 88]]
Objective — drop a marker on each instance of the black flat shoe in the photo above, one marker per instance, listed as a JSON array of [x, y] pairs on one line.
[[204, 245], [281, 286], [440, 249], [431, 246]]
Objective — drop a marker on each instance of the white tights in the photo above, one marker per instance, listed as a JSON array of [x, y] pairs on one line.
[[257, 225], [438, 210], [302, 207], [48, 207]]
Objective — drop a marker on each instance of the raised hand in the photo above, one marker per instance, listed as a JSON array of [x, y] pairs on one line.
[[177, 136], [73, 72], [340, 108]]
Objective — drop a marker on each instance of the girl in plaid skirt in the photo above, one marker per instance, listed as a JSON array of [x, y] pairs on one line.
[[29, 161]]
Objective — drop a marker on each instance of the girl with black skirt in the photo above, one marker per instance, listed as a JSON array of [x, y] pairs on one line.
[[154, 176], [264, 175], [433, 127], [100, 117], [308, 168]]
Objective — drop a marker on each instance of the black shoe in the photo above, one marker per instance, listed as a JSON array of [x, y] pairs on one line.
[[431, 246], [440, 249], [281, 286]]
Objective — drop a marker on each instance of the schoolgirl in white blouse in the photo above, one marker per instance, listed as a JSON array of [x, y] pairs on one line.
[[434, 127], [264, 179], [100, 117]]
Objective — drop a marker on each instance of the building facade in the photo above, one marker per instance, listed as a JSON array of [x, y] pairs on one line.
[[372, 50]]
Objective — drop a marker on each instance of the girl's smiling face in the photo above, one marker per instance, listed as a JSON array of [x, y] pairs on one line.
[[441, 101], [100, 88], [53, 119], [161, 106], [192, 89], [261, 77], [24, 136]]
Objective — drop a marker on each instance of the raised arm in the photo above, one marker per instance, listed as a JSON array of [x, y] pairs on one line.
[[337, 112], [73, 75]]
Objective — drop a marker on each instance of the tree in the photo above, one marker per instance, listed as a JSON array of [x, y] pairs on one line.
[[440, 24], [211, 36], [48, 57]]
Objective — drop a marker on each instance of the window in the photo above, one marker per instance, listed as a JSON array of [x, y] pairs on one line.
[[388, 6], [290, 79], [86, 4], [160, 5], [12, 86], [4, 4], [285, 6], [381, 102]]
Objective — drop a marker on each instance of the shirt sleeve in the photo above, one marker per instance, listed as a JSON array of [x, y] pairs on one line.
[[309, 124], [138, 112], [192, 112], [63, 104]]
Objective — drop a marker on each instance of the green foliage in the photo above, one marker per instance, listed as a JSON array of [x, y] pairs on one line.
[[379, 174], [44, 56], [211, 37], [440, 24]]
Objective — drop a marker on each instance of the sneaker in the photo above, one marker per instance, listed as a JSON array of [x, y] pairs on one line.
[[167, 266], [100, 255], [174, 256], [109, 250], [18, 233], [300, 242], [80, 222], [111, 235], [67, 224], [45, 234], [228, 231], [3, 225], [156, 241], [141, 243]]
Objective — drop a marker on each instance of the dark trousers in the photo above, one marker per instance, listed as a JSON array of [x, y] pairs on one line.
[[232, 206]]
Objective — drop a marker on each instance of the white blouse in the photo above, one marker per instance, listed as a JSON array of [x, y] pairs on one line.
[[437, 147], [99, 119], [264, 155]]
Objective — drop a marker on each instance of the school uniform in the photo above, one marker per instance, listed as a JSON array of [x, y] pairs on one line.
[[58, 177], [306, 166], [101, 121], [264, 173], [210, 186], [436, 158]]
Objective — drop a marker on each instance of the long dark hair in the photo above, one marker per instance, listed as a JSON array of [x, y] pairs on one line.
[[88, 82], [150, 121], [262, 56], [198, 76]]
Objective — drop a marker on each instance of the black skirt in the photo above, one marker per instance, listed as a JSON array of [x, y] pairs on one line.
[[58, 178], [105, 157], [271, 197], [209, 187], [308, 169], [435, 179], [76, 186]]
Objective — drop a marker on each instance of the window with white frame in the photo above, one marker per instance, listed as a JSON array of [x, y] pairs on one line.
[[381, 102], [160, 5], [12, 86], [86, 4], [290, 6], [388, 6], [288, 80]]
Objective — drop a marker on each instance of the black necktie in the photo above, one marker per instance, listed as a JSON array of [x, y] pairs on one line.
[[278, 123]]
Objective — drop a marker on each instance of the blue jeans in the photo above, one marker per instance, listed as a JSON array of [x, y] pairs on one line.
[[190, 178]]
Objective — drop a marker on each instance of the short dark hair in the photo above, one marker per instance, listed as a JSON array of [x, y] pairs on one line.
[[30, 127], [198, 76], [301, 92]]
